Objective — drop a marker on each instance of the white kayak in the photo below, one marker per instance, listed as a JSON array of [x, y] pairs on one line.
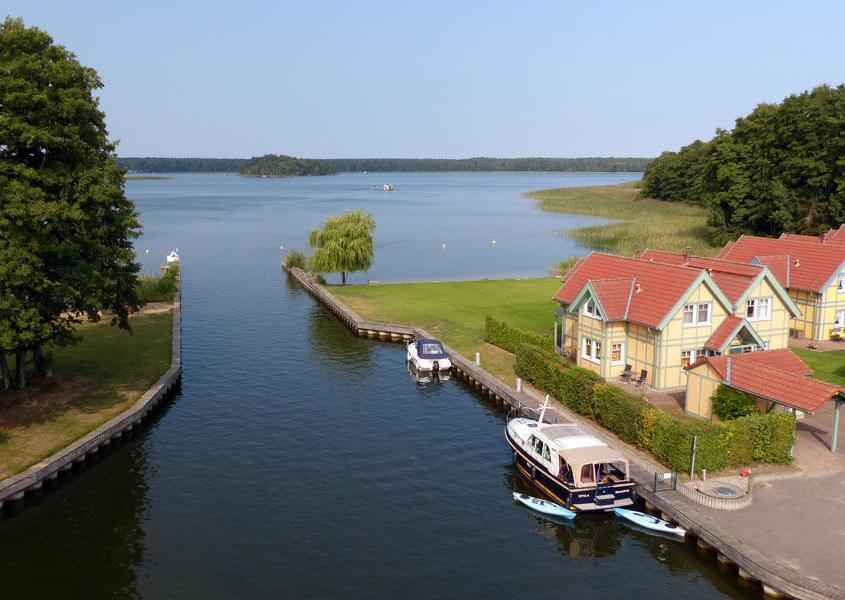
[[649, 521], [544, 506]]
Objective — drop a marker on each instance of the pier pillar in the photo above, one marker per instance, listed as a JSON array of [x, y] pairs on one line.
[[770, 592], [745, 575], [703, 545], [649, 506], [723, 560]]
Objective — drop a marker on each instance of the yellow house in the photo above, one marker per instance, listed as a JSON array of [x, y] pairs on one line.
[[812, 269], [652, 318]]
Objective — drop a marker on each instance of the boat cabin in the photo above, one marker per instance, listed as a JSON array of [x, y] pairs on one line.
[[430, 349]]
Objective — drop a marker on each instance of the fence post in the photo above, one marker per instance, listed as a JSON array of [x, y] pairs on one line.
[[518, 384], [692, 462]]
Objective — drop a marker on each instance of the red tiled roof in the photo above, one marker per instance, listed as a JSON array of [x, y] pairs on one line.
[[833, 236], [614, 296], [811, 265], [779, 266], [776, 375], [723, 333], [732, 277], [658, 287]]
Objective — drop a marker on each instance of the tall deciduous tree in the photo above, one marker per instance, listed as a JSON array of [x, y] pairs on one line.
[[66, 227], [344, 244]]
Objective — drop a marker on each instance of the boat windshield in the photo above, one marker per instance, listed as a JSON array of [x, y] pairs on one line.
[[431, 349]]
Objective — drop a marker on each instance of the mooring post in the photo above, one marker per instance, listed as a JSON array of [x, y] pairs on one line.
[[835, 440], [518, 384], [478, 358], [692, 462]]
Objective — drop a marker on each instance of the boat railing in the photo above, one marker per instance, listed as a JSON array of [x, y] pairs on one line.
[[551, 416]]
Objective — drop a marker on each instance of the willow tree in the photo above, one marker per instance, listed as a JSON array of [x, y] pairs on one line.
[[344, 244], [66, 227]]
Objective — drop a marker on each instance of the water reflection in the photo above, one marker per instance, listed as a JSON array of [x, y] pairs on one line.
[[424, 378], [94, 554], [331, 343]]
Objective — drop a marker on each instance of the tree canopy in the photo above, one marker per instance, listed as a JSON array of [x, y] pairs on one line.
[[279, 165], [344, 244], [66, 227], [781, 168]]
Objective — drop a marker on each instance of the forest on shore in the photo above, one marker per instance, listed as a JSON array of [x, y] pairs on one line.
[[781, 168], [283, 166]]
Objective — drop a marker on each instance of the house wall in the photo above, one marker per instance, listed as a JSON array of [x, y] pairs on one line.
[[702, 382], [808, 303], [590, 327], [829, 302], [675, 338], [775, 330]]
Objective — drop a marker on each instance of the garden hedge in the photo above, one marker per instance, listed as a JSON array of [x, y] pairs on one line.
[[763, 437], [509, 338]]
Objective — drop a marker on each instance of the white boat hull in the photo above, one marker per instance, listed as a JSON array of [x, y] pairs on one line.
[[649, 522], [544, 506]]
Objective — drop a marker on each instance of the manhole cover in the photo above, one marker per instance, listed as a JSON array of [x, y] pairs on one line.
[[723, 490]]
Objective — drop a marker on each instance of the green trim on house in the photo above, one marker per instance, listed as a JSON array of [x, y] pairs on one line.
[[705, 278]]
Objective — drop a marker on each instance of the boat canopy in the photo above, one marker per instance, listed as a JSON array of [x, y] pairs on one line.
[[585, 454], [431, 349]]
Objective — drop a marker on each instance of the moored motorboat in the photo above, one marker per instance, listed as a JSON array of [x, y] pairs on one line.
[[649, 522], [574, 468], [427, 354], [544, 506]]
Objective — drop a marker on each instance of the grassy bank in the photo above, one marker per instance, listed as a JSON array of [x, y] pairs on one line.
[[455, 311], [643, 222], [93, 381], [829, 366]]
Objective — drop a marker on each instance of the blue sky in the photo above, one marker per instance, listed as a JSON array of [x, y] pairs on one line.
[[438, 79]]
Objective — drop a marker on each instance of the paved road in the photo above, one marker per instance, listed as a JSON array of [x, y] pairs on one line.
[[800, 523]]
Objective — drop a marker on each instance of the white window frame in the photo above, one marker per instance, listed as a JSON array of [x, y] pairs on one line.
[[594, 356], [839, 318], [621, 360], [757, 304], [695, 311], [595, 312], [690, 360]]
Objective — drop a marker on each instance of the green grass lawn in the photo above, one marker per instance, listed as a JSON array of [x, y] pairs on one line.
[[455, 311], [829, 366], [93, 381], [643, 222]]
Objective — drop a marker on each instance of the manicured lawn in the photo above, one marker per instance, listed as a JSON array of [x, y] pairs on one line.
[[455, 311], [93, 381], [829, 366], [645, 222]]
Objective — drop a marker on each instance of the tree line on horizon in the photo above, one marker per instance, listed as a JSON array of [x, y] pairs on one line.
[[262, 165], [781, 168]]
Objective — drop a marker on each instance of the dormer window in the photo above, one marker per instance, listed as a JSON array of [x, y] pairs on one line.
[[591, 309]]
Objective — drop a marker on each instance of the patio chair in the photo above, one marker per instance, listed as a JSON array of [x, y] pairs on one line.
[[625, 377], [640, 381]]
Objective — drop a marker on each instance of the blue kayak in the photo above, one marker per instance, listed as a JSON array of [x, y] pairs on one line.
[[649, 521], [544, 506]]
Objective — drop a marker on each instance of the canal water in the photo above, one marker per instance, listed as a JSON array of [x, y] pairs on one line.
[[301, 461]]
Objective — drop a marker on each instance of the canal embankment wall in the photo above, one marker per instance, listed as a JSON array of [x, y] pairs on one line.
[[62, 462], [687, 507]]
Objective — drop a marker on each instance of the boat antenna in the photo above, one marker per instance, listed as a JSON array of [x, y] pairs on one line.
[[543, 412]]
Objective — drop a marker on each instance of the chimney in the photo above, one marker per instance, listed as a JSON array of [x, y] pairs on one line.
[[797, 262], [687, 252], [638, 289], [638, 253]]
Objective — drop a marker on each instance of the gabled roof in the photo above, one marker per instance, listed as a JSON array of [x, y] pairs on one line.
[[639, 290], [614, 296], [833, 236], [811, 266], [727, 331], [734, 278], [776, 375]]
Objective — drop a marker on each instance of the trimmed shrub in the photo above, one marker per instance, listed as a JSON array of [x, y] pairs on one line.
[[729, 403], [296, 260], [578, 386], [627, 415], [509, 338], [773, 436]]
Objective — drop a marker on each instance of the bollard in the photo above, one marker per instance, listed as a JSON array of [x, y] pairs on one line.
[[703, 474], [478, 358], [518, 384]]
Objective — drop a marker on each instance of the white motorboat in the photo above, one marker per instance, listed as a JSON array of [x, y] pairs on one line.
[[649, 522], [574, 468], [544, 506], [173, 256], [428, 355]]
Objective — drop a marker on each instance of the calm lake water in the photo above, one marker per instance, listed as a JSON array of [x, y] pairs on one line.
[[301, 461]]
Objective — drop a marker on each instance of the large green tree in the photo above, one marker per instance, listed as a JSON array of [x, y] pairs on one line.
[[66, 227], [781, 168], [344, 244]]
